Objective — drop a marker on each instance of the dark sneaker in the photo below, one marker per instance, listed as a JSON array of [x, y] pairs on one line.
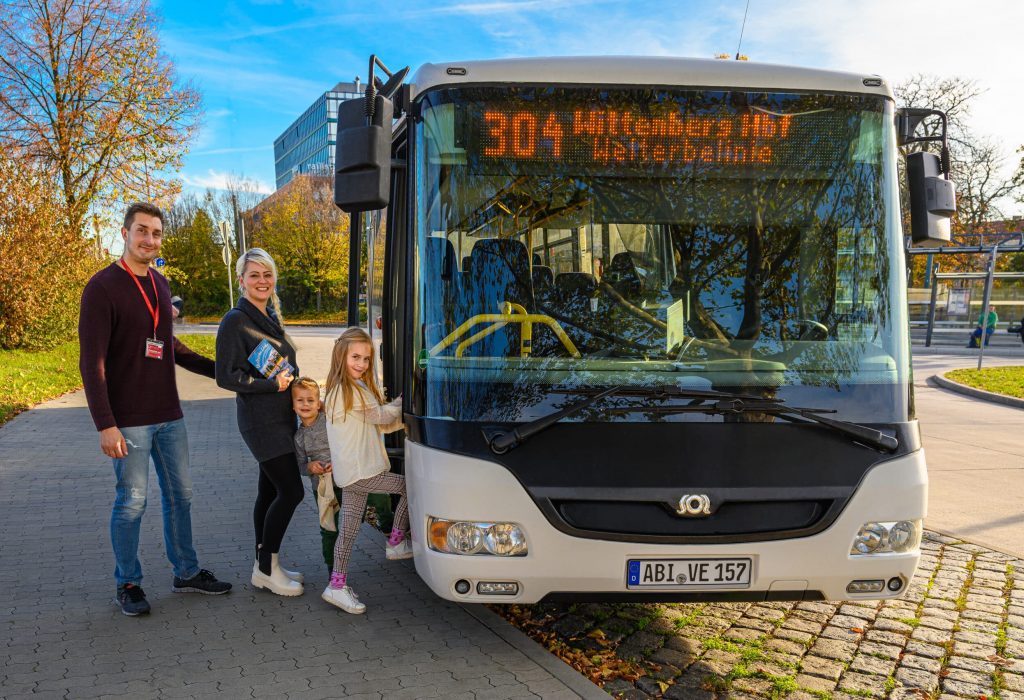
[[203, 582], [132, 600]]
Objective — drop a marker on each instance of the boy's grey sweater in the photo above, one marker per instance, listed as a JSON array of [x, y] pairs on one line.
[[311, 443]]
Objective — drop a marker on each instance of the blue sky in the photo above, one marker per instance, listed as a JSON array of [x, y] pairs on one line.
[[259, 64]]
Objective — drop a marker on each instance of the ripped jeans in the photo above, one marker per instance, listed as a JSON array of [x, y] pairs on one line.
[[167, 444]]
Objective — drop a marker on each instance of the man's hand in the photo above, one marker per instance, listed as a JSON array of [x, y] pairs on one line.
[[112, 443], [284, 380]]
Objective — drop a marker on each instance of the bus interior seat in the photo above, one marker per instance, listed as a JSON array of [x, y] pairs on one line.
[[543, 285], [499, 271], [439, 257], [442, 289], [545, 342], [621, 275], [574, 291]]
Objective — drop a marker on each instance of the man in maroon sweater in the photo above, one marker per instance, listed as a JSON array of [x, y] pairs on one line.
[[128, 353]]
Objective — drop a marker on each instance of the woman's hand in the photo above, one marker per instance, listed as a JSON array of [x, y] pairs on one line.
[[284, 380], [318, 468]]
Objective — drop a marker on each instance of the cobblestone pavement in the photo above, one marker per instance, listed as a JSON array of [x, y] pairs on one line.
[[61, 636], [958, 633]]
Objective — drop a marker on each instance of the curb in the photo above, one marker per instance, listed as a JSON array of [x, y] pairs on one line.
[[976, 393], [565, 673], [972, 540], [561, 671]]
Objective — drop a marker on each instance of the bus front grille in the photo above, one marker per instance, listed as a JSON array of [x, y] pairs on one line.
[[734, 519]]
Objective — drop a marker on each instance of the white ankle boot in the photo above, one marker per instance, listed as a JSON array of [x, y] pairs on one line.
[[277, 582], [293, 575]]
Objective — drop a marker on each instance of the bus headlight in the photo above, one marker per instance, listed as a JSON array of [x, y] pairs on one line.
[[903, 536], [464, 538], [505, 540], [887, 537], [470, 537]]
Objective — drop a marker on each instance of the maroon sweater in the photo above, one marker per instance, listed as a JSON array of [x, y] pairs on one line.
[[124, 388]]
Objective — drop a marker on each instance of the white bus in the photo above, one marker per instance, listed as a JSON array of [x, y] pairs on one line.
[[649, 318]]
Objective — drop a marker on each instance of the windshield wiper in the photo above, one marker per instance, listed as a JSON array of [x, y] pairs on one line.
[[862, 433], [501, 441]]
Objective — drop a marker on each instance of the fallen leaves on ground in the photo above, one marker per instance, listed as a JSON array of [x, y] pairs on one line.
[[599, 666]]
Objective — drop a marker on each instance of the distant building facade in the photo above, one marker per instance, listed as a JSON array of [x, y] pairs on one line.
[[307, 145]]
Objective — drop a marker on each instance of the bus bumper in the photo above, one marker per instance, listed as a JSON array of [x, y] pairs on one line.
[[562, 567]]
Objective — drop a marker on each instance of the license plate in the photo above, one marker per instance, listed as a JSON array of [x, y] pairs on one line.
[[688, 573]]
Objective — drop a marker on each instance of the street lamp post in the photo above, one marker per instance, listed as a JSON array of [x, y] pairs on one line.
[[226, 255]]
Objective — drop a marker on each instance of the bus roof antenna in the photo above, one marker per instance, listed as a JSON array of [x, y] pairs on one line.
[[742, 27]]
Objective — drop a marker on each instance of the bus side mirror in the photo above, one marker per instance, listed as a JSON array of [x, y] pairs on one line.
[[362, 156], [932, 201]]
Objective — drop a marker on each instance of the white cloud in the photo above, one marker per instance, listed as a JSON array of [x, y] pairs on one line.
[[898, 40], [217, 180]]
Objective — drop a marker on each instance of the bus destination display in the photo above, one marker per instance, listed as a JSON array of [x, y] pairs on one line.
[[619, 136]]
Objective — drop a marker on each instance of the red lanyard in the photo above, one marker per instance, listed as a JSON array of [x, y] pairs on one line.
[[155, 313]]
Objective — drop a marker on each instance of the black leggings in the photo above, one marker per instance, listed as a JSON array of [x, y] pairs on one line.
[[280, 492]]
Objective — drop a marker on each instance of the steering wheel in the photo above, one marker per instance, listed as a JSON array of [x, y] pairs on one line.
[[816, 330]]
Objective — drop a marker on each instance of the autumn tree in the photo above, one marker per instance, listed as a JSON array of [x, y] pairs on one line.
[[87, 93], [41, 276], [308, 237], [192, 248], [978, 164]]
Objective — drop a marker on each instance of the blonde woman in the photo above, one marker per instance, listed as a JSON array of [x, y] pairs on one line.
[[357, 415], [264, 411]]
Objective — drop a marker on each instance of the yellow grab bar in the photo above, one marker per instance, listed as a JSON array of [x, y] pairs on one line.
[[497, 322]]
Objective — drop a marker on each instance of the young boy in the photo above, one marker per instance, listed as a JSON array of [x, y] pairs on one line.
[[312, 451]]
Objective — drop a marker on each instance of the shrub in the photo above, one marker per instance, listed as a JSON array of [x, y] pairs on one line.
[[42, 267]]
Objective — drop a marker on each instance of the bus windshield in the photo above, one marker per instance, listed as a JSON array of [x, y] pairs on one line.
[[573, 238]]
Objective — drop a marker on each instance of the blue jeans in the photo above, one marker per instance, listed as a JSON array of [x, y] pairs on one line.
[[976, 336], [167, 444]]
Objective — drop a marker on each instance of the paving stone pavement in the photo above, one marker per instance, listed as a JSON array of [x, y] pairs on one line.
[[62, 637], [958, 633]]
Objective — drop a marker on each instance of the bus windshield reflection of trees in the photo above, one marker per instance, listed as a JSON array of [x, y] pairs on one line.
[[771, 278]]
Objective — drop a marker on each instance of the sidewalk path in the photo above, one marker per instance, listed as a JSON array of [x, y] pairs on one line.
[[61, 636], [975, 458]]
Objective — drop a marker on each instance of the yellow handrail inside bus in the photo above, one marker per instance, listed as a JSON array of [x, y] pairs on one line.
[[511, 313]]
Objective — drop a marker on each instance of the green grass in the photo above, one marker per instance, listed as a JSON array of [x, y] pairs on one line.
[[1008, 381], [29, 378], [203, 344], [305, 318]]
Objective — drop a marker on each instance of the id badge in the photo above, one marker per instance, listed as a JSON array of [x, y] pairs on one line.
[[155, 349]]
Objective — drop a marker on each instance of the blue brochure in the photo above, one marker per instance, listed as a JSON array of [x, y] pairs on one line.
[[268, 361]]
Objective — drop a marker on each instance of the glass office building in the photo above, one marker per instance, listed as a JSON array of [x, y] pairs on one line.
[[307, 145]]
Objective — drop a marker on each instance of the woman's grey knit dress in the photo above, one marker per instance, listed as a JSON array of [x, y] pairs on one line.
[[265, 417]]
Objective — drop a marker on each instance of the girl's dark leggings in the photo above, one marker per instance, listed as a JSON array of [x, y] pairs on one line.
[[279, 492]]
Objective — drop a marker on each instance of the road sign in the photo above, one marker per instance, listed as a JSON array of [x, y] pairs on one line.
[[160, 262]]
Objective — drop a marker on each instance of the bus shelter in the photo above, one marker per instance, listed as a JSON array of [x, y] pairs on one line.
[[988, 276]]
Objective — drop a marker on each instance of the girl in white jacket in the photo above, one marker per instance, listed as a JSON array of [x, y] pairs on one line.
[[357, 415]]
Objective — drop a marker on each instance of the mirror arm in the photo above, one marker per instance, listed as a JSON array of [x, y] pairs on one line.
[[907, 121]]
